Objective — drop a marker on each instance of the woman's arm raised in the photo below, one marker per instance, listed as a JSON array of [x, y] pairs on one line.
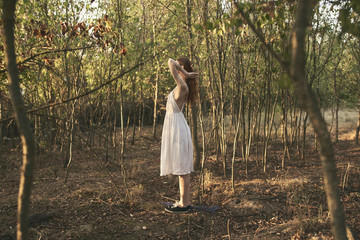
[[174, 69]]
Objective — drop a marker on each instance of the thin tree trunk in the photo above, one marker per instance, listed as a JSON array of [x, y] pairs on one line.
[[337, 102], [285, 131], [22, 121], [234, 145], [249, 116], [223, 139], [201, 120], [194, 127], [2, 124], [337, 121], [114, 122], [298, 131], [122, 127], [141, 114], [243, 126], [297, 71], [291, 114], [213, 86], [252, 131], [268, 133], [71, 135], [258, 136], [108, 129], [358, 125], [155, 101], [304, 137], [222, 71], [214, 102], [156, 78], [134, 111], [202, 172], [267, 109]]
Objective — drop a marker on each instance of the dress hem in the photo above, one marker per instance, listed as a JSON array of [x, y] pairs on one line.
[[177, 174]]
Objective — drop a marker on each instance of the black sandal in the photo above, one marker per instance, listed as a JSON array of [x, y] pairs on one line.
[[177, 209]]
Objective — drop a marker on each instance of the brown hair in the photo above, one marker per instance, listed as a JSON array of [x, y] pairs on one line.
[[191, 82]]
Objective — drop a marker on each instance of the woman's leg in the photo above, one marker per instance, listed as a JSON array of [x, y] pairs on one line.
[[184, 186]]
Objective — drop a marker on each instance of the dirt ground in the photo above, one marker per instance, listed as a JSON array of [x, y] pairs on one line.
[[278, 204]]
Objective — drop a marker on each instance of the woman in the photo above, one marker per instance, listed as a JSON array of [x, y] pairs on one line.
[[176, 144]]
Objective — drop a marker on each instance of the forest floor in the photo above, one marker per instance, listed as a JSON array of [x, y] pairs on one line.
[[278, 204]]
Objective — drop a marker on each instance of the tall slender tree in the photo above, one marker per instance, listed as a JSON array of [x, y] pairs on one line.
[[297, 73], [22, 121]]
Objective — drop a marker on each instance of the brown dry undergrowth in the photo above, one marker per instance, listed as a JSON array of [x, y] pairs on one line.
[[289, 204]]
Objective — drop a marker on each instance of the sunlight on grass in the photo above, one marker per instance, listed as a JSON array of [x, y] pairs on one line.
[[287, 183]]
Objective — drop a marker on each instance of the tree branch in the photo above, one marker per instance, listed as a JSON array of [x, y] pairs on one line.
[[44, 53], [94, 89], [260, 35]]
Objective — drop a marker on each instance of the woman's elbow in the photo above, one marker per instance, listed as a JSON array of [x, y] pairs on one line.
[[170, 61]]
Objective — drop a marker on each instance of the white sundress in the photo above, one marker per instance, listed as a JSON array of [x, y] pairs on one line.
[[176, 145]]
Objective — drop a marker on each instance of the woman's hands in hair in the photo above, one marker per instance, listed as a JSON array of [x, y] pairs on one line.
[[175, 67], [191, 75], [187, 74]]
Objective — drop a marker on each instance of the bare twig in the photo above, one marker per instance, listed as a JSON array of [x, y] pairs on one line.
[[98, 161], [167, 198], [44, 53], [261, 37], [112, 207], [120, 75]]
